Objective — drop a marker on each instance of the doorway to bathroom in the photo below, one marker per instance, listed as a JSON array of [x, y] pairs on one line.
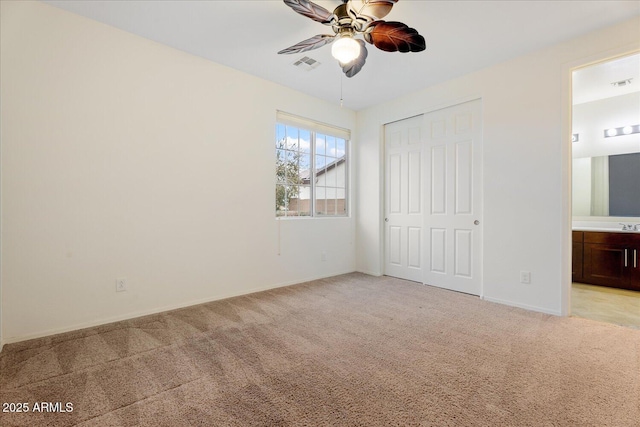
[[606, 191]]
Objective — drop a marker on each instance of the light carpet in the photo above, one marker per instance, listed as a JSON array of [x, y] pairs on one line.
[[352, 350]]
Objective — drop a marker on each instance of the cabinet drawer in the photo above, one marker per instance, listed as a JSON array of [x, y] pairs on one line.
[[630, 239]]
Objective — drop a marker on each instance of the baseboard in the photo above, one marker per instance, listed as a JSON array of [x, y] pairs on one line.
[[370, 273], [524, 306], [143, 313]]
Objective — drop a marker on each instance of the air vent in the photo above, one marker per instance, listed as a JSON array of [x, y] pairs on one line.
[[306, 63], [622, 82]]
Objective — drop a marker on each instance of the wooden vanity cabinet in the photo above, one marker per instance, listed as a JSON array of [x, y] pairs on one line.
[[576, 267], [611, 259]]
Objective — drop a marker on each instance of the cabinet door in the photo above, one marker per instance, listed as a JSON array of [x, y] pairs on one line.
[[576, 265], [577, 262], [634, 268], [605, 265]]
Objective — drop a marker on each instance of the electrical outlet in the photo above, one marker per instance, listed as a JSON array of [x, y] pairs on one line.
[[121, 285], [525, 277]]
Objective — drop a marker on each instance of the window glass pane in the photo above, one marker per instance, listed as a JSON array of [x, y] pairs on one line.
[[305, 162], [321, 207], [292, 138], [287, 196], [320, 144], [305, 141], [331, 205], [330, 174], [280, 200], [321, 162], [331, 146], [331, 193], [341, 205], [301, 204], [293, 200], [290, 193], [281, 166], [341, 148], [341, 174], [280, 132], [290, 167], [304, 169], [322, 202], [284, 195]]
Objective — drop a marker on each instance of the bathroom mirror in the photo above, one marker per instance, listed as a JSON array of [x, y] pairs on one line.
[[607, 185]]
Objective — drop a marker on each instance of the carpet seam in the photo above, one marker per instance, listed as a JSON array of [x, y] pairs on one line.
[[140, 400]]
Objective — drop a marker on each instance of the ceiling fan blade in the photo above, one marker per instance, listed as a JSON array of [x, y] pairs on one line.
[[394, 37], [372, 9], [353, 67], [309, 44], [312, 10]]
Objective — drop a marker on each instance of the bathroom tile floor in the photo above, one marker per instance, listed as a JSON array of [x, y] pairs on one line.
[[610, 305]]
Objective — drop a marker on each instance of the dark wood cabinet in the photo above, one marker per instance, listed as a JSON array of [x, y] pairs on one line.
[[576, 267], [610, 259]]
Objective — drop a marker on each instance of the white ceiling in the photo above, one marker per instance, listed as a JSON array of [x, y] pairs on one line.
[[462, 36], [594, 82]]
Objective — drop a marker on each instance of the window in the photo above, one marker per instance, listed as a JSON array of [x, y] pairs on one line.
[[311, 168]]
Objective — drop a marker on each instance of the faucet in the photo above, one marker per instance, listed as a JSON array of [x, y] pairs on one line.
[[629, 227]]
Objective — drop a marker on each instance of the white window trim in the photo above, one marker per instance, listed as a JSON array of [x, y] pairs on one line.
[[312, 125], [316, 127]]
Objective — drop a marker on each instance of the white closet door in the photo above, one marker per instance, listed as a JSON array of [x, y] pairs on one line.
[[404, 199], [453, 215]]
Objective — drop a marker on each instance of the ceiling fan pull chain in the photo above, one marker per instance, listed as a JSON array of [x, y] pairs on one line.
[[341, 100]]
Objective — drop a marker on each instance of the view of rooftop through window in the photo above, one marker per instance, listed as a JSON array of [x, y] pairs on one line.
[[311, 173]]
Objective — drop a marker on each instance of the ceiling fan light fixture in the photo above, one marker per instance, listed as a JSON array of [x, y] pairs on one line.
[[356, 18], [345, 49]]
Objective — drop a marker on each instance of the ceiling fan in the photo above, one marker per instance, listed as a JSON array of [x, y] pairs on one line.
[[353, 18]]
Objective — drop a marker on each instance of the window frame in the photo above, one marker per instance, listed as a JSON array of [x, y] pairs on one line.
[[314, 129]]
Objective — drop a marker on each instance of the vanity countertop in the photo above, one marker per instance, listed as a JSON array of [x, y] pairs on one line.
[[605, 229]]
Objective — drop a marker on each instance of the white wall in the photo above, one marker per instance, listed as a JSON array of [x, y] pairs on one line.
[[525, 162], [122, 157]]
